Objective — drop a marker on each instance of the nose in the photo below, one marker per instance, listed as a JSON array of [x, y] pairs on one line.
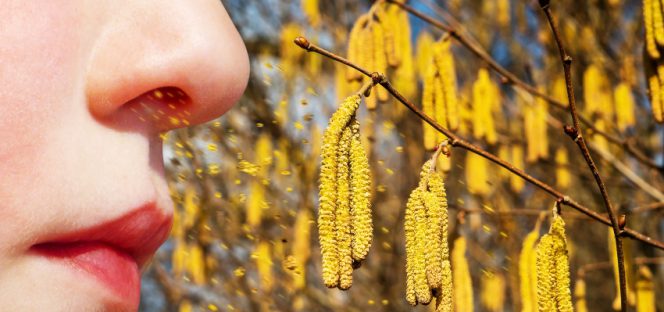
[[181, 58]]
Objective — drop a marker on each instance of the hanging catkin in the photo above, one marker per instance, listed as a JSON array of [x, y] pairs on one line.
[[427, 250], [580, 296], [493, 291], [463, 290], [344, 215], [476, 173], [439, 96], [649, 25], [361, 226], [563, 176], [485, 102], [343, 219], [528, 271], [624, 106], [645, 291], [355, 46], [553, 283], [328, 189]]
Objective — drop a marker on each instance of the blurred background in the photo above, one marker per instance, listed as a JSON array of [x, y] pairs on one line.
[[246, 185]]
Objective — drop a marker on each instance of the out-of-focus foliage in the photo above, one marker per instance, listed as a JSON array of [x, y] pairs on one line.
[[246, 185]]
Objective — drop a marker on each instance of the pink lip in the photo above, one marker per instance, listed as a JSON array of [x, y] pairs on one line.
[[113, 251]]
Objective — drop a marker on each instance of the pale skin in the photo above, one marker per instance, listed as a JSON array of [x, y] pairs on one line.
[[73, 150]]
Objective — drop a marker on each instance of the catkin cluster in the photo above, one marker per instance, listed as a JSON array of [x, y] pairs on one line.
[[344, 216], [528, 271], [654, 42], [486, 102], [552, 262], [427, 251], [380, 39], [439, 97]]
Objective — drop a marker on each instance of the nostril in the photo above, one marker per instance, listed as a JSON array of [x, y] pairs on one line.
[[164, 108]]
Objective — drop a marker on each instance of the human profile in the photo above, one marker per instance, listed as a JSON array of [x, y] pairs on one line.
[[87, 87]]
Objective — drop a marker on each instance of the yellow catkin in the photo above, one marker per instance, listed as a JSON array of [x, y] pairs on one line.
[[559, 91], [263, 257], [563, 176], [655, 98], [411, 247], [445, 298], [541, 114], [645, 291], [433, 255], [289, 54], [389, 20], [485, 102], [195, 263], [424, 54], [528, 272], [553, 283], [439, 106], [463, 288], [627, 253], [493, 291], [503, 8], [301, 247], [429, 133], [310, 10], [650, 43], [580, 296], [660, 75], [658, 22], [624, 106], [355, 46], [379, 54], [599, 139], [362, 226], [444, 62], [405, 79], [477, 174], [343, 219], [592, 89], [255, 203], [328, 190], [517, 183], [417, 289]]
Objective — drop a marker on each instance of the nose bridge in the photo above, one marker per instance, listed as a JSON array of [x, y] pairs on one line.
[[189, 45]]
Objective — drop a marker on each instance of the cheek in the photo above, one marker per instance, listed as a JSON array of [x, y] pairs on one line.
[[40, 62]]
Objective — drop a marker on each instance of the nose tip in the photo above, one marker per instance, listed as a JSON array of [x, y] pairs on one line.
[[188, 47]]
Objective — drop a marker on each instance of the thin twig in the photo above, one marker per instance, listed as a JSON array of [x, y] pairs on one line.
[[511, 78], [627, 172], [575, 133], [456, 141]]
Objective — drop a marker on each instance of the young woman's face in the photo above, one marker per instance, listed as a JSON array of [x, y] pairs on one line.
[[86, 89]]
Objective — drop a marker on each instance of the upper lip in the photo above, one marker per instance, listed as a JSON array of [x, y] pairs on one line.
[[138, 233]]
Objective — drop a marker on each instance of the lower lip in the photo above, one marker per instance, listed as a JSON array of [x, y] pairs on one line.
[[114, 268]]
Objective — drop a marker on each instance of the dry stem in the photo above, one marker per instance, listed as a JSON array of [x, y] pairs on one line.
[[575, 133]]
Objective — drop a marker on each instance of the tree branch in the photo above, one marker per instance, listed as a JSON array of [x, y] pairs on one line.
[[456, 141], [575, 133]]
